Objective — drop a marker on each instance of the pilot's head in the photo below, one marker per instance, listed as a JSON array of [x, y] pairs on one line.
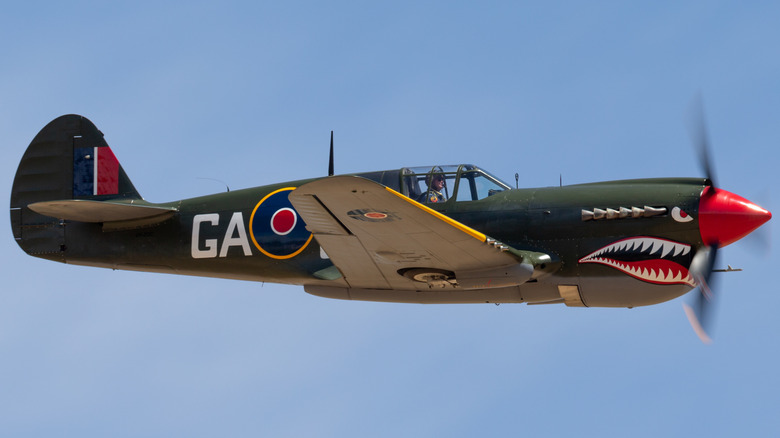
[[437, 182]]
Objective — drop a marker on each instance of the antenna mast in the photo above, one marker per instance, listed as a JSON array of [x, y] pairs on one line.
[[330, 162]]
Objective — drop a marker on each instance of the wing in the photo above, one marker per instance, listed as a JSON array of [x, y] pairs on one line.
[[381, 239]]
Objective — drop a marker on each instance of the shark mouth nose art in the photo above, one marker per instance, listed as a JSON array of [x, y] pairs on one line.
[[649, 259]]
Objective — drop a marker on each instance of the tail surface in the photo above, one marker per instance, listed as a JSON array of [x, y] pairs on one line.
[[68, 162]]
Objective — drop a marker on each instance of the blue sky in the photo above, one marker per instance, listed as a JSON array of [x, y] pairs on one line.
[[247, 92]]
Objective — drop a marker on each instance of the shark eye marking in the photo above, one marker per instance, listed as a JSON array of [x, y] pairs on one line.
[[680, 216], [649, 259]]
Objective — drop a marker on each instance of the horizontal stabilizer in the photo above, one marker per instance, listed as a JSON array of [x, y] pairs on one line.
[[101, 211]]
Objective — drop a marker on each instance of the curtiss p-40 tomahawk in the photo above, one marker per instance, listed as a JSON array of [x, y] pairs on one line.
[[436, 234]]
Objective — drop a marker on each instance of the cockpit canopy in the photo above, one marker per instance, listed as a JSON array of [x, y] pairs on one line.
[[433, 184]]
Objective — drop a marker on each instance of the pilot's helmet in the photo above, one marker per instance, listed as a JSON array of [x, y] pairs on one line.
[[435, 174]]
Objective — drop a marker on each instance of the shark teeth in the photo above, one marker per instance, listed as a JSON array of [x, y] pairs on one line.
[[657, 269], [671, 273], [650, 246]]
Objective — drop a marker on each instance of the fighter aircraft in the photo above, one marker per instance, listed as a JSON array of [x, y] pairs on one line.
[[433, 234]]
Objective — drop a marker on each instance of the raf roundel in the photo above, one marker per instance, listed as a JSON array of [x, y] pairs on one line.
[[275, 227]]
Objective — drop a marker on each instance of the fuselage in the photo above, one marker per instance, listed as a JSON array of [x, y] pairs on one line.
[[220, 236]]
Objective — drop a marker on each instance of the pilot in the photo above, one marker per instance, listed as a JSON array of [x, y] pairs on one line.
[[434, 193]]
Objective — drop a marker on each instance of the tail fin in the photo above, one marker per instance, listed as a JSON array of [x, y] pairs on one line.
[[67, 160]]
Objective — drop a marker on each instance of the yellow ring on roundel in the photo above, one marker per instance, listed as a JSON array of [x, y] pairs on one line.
[[252, 233]]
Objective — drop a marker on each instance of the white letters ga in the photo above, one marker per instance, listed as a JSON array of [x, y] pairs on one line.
[[234, 236]]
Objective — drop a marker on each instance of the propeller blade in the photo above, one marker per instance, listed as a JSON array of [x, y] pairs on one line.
[[696, 325], [700, 312], [723, 218], [701, 139]]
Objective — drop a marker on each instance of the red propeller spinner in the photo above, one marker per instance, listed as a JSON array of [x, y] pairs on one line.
[[725, 217]]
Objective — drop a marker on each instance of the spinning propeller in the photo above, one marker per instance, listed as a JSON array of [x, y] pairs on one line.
[[724, 218]]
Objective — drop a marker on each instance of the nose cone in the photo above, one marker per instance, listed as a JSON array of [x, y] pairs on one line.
[[725, 217]]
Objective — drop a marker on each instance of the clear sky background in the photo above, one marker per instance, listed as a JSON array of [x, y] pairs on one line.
[[247, 92]]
